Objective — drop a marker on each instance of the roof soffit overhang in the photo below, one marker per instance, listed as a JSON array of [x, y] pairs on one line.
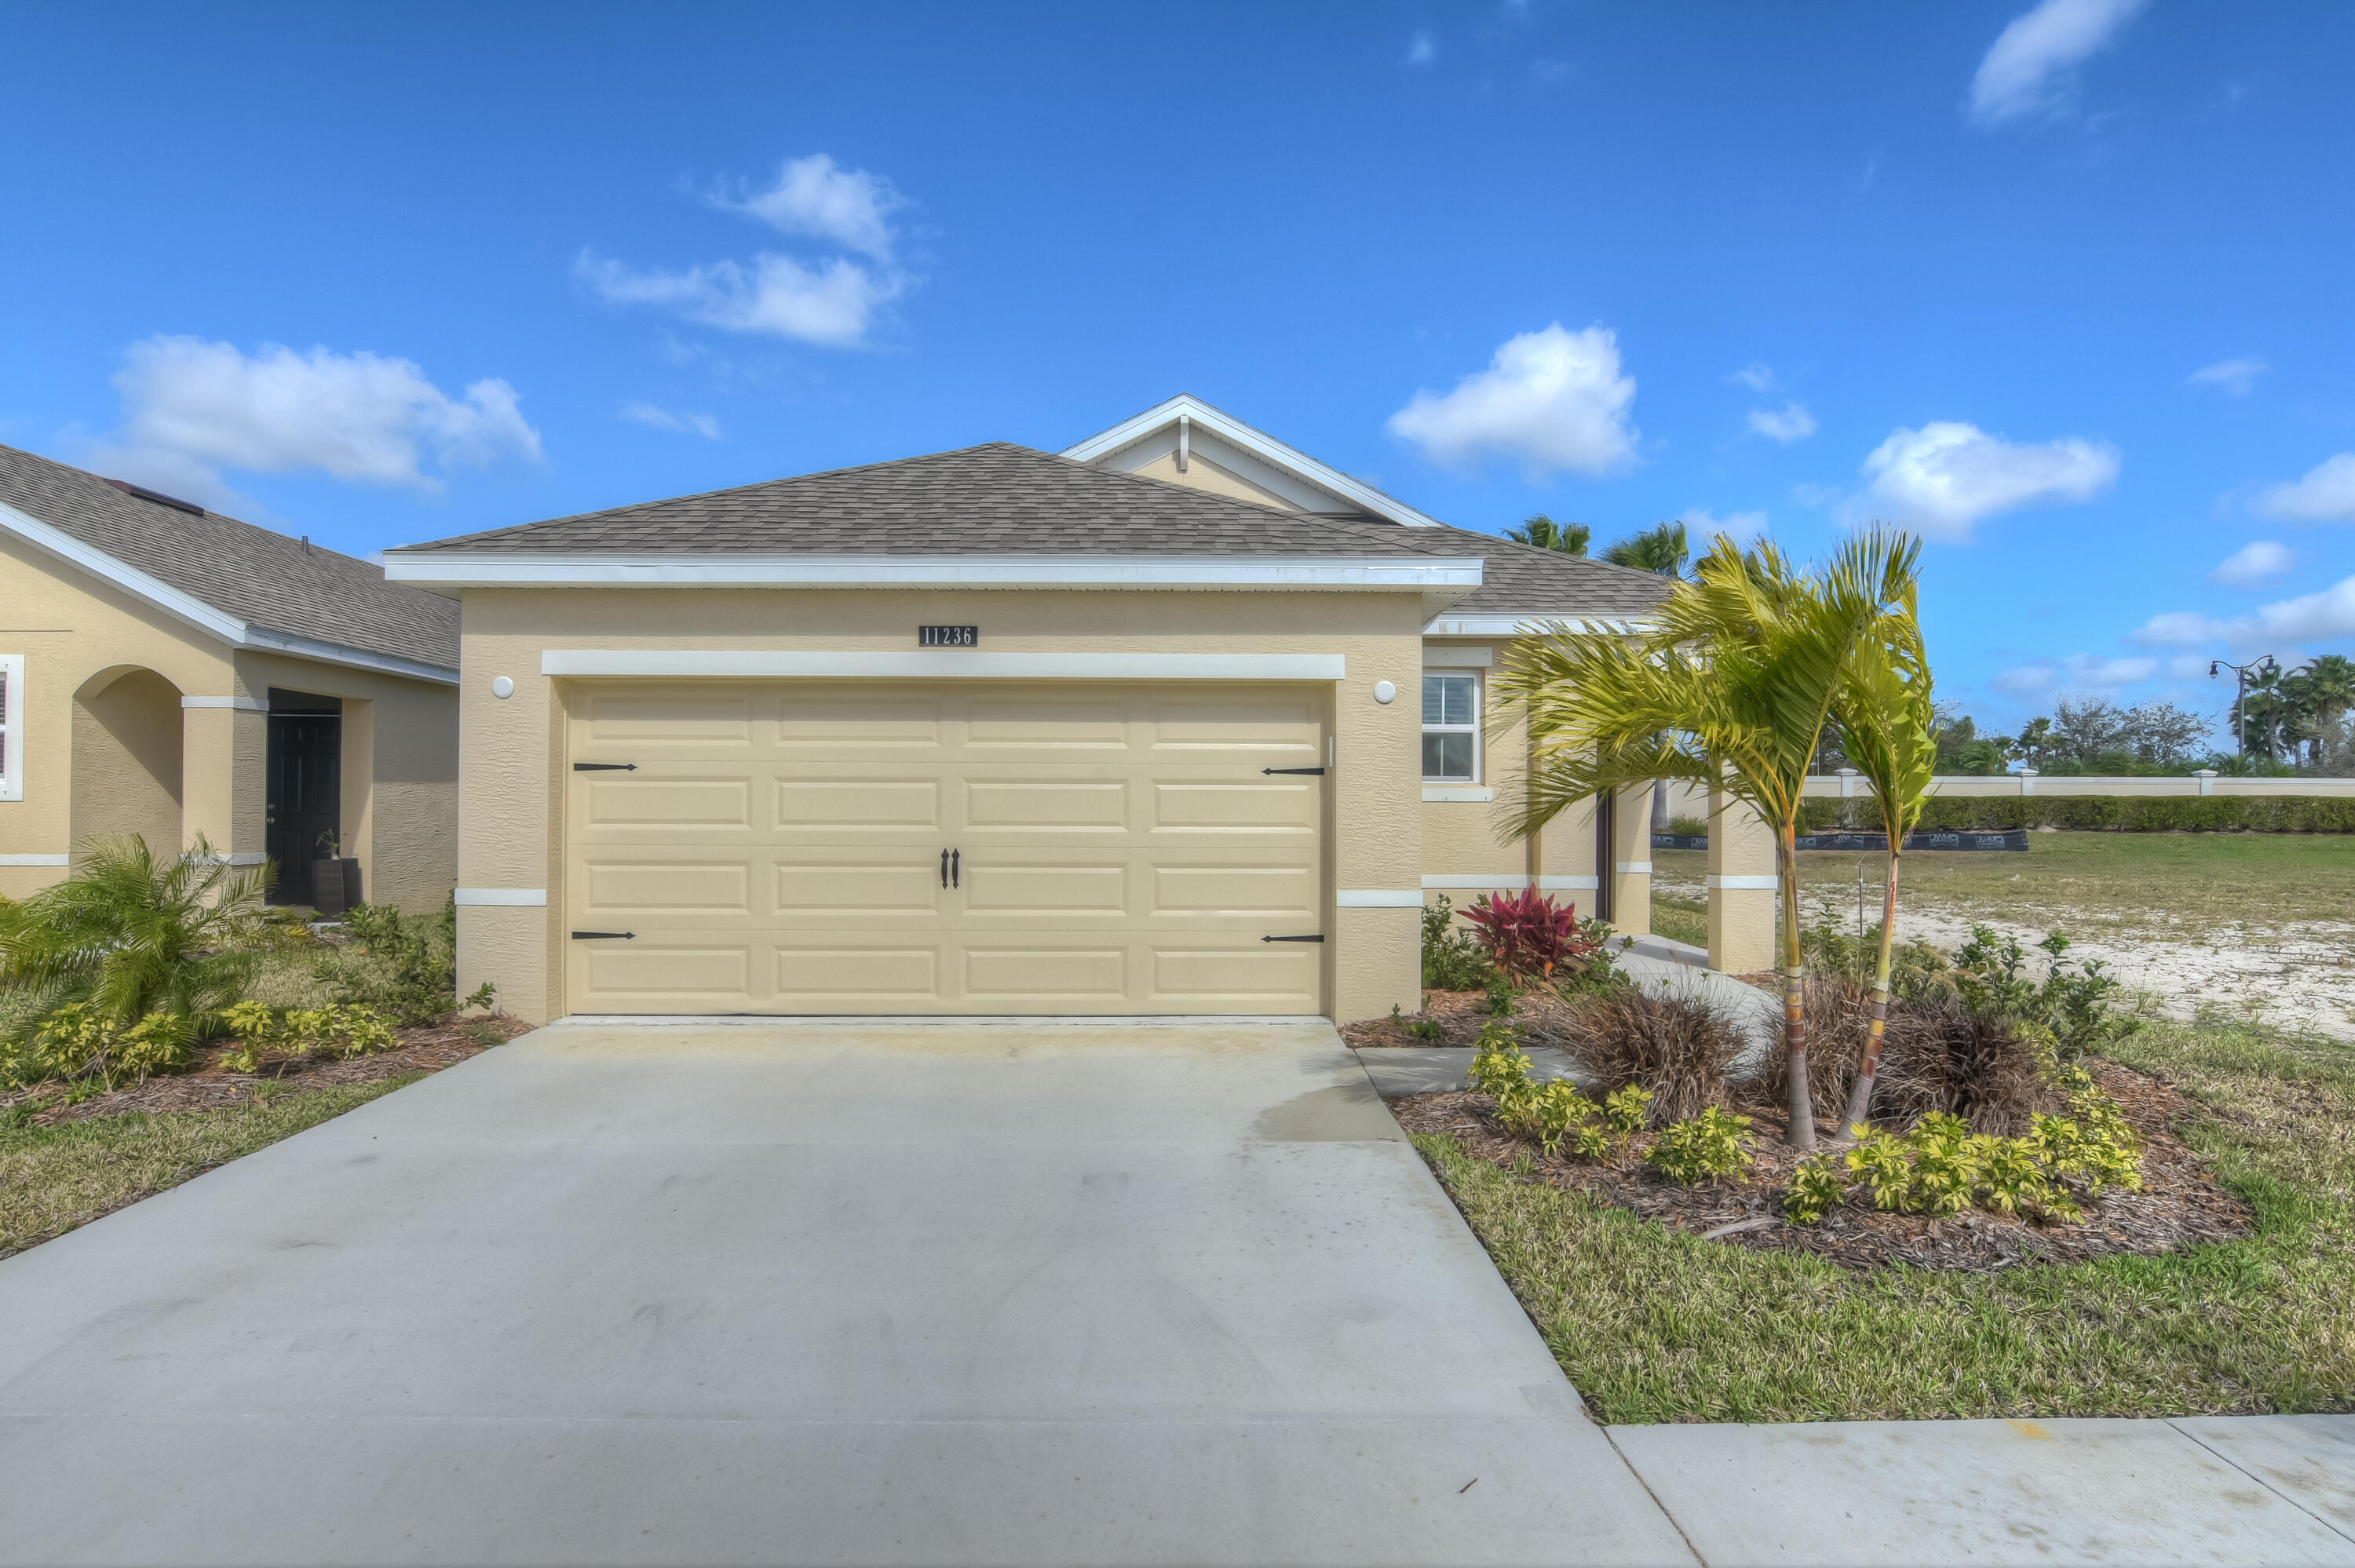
[[1351, 493], [190, 610]]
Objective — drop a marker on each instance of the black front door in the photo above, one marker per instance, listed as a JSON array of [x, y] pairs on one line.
[[306, 791]]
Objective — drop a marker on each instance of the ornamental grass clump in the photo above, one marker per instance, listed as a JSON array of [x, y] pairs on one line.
[[1680, 1049]]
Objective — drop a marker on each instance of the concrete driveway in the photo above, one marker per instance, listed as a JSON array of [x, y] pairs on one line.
[[970, 1293]]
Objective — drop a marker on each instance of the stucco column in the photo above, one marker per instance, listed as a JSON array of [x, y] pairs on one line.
[[1741, 887], [224, 783], [1375, 829], [510, 893], [1631, 870], [356, 809]]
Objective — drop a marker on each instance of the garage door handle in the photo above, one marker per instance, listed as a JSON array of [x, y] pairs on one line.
[[1316, 937], [945, 868], [1318, 771], [604, 768], [621, 937], [956, 869]]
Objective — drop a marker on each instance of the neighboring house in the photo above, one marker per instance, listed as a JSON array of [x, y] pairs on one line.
[[171, 673], [997, 731]]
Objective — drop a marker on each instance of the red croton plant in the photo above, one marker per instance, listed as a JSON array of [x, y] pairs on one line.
[[1533, 939]]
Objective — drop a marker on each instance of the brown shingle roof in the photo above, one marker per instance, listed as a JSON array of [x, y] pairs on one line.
[[257, 576]]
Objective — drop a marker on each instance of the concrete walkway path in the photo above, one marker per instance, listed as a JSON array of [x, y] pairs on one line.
[[842, 1294]]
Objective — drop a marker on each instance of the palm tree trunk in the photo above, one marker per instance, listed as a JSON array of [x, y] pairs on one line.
[[1860, 1098], [1659, 805], [1802, 1131]]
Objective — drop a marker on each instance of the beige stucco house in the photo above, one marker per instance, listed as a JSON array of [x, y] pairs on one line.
[[169, 671], [1180, 720]]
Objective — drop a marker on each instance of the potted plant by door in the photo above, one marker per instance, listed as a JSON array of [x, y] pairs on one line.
[[335, 876]]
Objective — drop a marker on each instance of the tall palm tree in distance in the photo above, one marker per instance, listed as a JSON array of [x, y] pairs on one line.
[[1661, 548], [1546, 534]]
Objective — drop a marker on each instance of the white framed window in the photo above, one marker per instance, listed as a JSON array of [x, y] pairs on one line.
[[1451, 726], [12, 726]]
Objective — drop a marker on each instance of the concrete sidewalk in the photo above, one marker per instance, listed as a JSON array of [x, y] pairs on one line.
[[2212, 1489]]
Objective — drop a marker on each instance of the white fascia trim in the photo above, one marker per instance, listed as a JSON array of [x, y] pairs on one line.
[[199, 614], [1458, 792], [1743, 884], [502, 897], [1503, 882], [459, 569], [1378, 898], [237, 857], [1566, 884], [1634, 868], [1259, 444], [36, 860], [1531, 625], [946, 664], [242, 705]]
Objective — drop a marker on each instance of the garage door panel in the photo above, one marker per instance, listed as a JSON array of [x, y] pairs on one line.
[[670, 719], [868, 802], [778, 849], [668, 803], [1227, 808], [1047, 976], [869, 886], [825, 976], [1051, 806], [1045, 892], [614, 886]]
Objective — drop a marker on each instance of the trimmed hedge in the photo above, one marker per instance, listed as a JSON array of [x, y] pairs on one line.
[[2117, 813]]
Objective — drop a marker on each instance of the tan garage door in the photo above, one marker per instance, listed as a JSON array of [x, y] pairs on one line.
[[870, 847]]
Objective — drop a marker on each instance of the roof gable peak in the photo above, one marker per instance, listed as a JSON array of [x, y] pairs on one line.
[[1189, 416]]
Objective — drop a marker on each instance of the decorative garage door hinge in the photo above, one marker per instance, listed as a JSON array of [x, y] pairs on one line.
[[1316, 937], [1318, 771], [604, 935], [604, 768]]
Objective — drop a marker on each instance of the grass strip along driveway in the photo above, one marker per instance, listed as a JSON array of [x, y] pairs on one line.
[[53, 1179], [1653, 1326]]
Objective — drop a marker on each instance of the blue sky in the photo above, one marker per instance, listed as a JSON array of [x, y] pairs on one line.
[[2066, 286]]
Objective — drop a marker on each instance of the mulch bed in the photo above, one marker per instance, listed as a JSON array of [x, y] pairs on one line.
[[2181, 1203], [205, 1085], [1461, 1015]]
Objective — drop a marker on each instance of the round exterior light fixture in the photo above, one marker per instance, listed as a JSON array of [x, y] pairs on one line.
[[1385, 693], [502, 687]]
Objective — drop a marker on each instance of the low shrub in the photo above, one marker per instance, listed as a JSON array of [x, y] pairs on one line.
[[1453, 959], [1534, 940], [1690, 827], [2078, 1007], [1681, 1050], [341, 1029], [80, 1040], [2120, 813], [1816, 1188], [1706, 1148], [402, 967]]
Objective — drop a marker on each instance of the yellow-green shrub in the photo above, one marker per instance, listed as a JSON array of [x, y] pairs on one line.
[[339, 1029], [1706, 1148], [76, 1040]]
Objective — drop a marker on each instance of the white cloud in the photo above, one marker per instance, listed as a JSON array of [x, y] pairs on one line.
[[2327, 493], [2253, 564], [660, 419], [2027, 680], [1945, 477], [2231, 376], [2322, 616], [1794, 423], [1700, 527], [1551, 400], [1757, 377], [2091, 670], [193, 409], [1422, 49], [849, 207], [2030, 70], [832, 305], [2083, 672], [833, 301]]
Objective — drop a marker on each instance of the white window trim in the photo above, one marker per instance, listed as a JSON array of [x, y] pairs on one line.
[[12, 728], [1479, 713]]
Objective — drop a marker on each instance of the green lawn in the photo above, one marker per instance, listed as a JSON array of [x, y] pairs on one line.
[[2170, 883], [1653, 1326], [53, 1179]]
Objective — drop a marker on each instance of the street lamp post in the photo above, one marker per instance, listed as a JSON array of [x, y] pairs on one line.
[[2241, 696]]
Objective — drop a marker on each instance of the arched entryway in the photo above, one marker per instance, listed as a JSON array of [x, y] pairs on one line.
[[126, 758]]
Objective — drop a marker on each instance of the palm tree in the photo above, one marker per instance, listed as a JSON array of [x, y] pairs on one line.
[[1732, 690], [1661, 548], [133, 934], [2329, 693], [1888, 725], [1543, 532]]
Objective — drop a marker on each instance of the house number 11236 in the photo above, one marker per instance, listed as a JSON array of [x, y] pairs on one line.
[[948, 637]]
